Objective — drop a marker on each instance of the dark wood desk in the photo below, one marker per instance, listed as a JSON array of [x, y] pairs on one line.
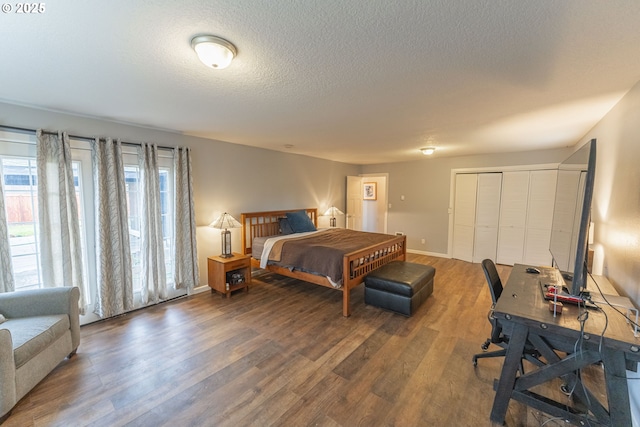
[[525, 317]]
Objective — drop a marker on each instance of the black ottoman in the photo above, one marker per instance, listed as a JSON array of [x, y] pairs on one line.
[[399, 286]]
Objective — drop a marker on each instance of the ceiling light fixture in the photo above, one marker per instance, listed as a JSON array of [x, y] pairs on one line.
[[213, 51], [427, 151]]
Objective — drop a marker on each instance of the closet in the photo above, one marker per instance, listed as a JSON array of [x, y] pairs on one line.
[[505, 216]]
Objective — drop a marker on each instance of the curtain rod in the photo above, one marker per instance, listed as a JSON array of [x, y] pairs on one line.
[[85, 138]]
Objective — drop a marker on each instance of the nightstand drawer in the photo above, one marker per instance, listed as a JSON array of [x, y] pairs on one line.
[[241, 263]]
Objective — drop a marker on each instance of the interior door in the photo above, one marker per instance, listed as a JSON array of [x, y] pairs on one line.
[[513, 217], [487, 216], [354, 203], [464, 216], [542, 190]]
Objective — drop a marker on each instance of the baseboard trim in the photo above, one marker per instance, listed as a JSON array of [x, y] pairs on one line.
[[436, 254], [200, 289]]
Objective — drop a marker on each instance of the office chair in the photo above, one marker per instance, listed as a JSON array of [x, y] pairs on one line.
[[497, 338], [495, 285]]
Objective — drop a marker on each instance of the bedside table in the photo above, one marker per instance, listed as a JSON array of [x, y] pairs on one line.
[[219, 268]]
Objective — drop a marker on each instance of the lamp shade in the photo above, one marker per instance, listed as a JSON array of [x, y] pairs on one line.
[[225, 221], [213, 51], [333, 211]]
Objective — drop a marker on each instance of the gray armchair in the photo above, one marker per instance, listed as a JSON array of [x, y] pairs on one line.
[[42, 329]]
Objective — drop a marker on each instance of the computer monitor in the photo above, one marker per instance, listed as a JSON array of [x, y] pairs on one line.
[[572, 216]]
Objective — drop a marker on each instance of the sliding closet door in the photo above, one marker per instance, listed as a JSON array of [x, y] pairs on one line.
[[513, 217], [542, 189], [505, 216], [464, 216], [487, 216]]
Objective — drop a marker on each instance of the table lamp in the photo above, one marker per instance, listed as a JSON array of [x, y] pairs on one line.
[[224, 222], [333, 211]]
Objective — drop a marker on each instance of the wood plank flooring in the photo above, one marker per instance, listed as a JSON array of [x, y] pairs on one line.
[[283, 355]]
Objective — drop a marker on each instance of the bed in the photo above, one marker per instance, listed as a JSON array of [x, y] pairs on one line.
[[353, 263]]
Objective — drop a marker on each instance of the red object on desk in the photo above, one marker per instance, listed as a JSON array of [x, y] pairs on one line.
[[552, 294]]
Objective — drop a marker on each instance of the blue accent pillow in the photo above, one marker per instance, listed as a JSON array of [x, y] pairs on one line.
[[300, 222], [285, 226]]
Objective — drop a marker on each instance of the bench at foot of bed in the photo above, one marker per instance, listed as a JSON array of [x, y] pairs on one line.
[[399, 286]]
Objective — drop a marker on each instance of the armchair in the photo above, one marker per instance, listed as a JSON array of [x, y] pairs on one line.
[[41, 330]]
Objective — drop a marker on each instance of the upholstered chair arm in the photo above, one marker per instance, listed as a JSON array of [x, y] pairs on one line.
[[39, 302], [42, 302], [7, 373]]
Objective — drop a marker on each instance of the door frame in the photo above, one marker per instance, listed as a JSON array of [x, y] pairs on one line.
[[383, 196]]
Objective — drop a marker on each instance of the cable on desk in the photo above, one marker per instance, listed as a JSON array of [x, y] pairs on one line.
[[583, 316], [609, 304]]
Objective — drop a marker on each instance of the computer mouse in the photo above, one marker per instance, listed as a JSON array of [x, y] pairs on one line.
[[533, 270]]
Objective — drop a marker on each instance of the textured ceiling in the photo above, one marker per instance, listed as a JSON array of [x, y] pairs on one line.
[[362, 82]]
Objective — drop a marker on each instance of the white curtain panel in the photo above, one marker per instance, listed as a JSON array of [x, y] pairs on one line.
[[6, 269], [153, 274], [59, 227], [186, 256], [113, 254]]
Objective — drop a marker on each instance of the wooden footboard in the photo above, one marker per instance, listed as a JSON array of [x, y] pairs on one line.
[[356, 264]]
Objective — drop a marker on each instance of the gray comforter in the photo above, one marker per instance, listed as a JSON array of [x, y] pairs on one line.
[[322, 253]]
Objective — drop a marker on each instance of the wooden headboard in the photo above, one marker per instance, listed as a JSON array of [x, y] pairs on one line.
[[259, 224]]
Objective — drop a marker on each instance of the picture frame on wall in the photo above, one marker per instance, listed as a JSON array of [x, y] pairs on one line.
[[370, 191]]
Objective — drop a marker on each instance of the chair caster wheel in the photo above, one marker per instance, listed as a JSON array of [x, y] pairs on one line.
[[475, 362], [564, 388]]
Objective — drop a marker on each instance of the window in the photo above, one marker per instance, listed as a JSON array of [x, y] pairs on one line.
[[134, 209], [21, 202], [19, 176], [166, 201], [132, 182]]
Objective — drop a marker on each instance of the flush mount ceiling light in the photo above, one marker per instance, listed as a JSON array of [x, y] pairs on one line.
[[213, 51], [427, 151]]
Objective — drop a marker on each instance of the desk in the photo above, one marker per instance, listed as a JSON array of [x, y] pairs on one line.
[[525, 317]]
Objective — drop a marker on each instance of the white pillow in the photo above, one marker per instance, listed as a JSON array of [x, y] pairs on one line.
[[2, 318]]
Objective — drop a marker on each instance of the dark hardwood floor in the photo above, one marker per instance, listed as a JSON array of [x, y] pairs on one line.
[[283, 355]]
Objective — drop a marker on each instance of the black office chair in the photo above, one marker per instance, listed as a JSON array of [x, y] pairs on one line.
[[497, 338], [495, 285]]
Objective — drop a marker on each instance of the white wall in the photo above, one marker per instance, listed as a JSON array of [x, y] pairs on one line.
[[616, 207], [616, 203], [227, 177]]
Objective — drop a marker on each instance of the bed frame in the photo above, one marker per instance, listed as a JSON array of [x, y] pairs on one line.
[[356, 264]]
